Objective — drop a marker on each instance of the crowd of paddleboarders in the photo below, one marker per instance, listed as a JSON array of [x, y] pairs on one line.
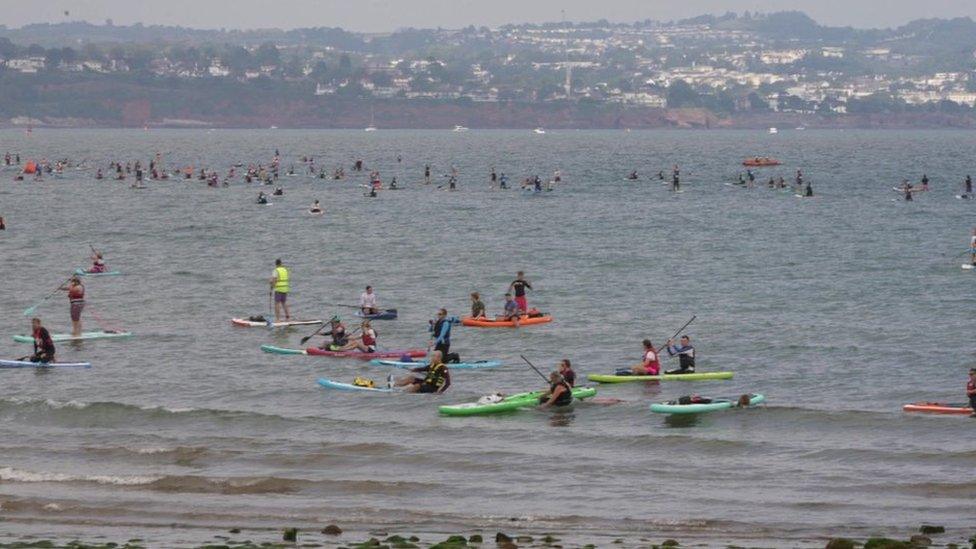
[[434, 376]]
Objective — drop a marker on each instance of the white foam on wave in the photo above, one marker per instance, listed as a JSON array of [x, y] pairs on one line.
[[10, 474]]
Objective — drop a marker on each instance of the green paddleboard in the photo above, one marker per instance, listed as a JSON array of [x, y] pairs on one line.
[[508, 404]]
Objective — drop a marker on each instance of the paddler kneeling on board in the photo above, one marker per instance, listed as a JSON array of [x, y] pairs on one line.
[[436, 378], [43, 344], [560, 393]]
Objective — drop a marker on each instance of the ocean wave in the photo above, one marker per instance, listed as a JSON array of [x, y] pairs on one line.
[[221, 485]]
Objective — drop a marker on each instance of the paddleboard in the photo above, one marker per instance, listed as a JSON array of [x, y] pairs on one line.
[[963, 197], [452, 366], [281, 350], [82, 272], [697, 376], [388, 314], [82, 337], [320, 212], [264, 324], [968, 266], [673, 407], [507, 404], [338, 385], [27, 364], [938, 408]]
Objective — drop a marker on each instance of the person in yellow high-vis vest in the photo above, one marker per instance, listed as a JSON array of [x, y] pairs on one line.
[[280, 287]]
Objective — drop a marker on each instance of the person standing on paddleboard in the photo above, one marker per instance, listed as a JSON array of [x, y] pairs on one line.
[[968, 186], [971, 390], [76, 299], [367, 302], [441, 333], [685, 353], [437, 378], [43, 344], [518, 286], [280, 287]]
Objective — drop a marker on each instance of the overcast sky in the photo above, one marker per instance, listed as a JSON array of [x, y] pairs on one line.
[[386, 15]]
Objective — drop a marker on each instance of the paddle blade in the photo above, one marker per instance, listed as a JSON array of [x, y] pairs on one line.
[[30, 310]]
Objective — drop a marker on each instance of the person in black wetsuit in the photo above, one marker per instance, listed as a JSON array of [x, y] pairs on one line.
[[440, 330], [437, 378], [560, 392], [43, 343], [685, 353], [675, 178], [809, 190], [969, 187]]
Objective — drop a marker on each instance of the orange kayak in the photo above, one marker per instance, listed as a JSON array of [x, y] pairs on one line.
[[938, 408], [524, 320]]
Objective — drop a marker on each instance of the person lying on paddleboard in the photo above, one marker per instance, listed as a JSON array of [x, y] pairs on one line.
[[43, 344], [367, 302], [436, 379], [477, 306], [566, 370], [971, 390], [685, 353], [366, 342], [560, 392]]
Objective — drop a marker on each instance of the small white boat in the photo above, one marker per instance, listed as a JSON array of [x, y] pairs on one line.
[[773, 131], [460, 129], [539, 131], [370, 128]]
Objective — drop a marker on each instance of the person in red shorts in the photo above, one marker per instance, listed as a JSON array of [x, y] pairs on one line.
[[518, 286]]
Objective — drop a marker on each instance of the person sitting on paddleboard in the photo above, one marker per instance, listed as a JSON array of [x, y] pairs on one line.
[[511, 311], [566, 370], [971, 390], [441, 330], [972, 246], [632, 175], [98, 264], [337, 333], [477, 306], [650, 364], [560, 392], [76, 299], [316, 208], [43, 344], [367, 302], [437, 378], [685, 353], [366, 342], [262, 198]]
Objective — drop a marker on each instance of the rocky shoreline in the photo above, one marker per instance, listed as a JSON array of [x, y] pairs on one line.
[[333, 536]]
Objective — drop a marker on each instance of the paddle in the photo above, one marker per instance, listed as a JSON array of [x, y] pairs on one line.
[[30, 310], [544, 378], [693, 317], [270, 319]]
